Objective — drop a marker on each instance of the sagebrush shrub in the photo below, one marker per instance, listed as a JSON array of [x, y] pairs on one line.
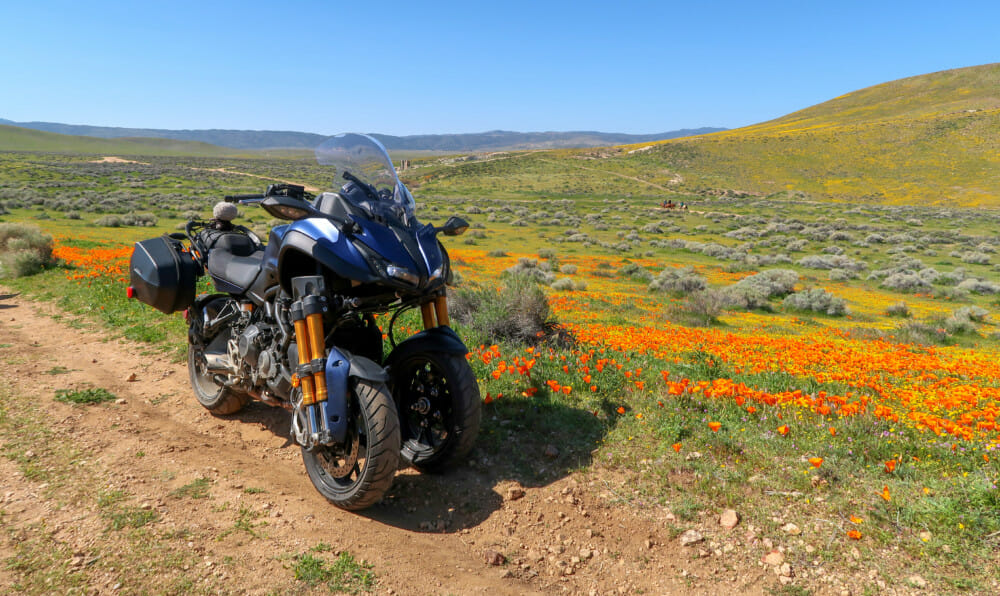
[[678, 281], [816, 300], [979, 286], [899, 309], [517, 311], [24, 250]]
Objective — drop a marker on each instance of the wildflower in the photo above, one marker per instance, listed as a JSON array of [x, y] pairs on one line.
[[783, 430], [885, 494], [677, 447], [816, 461], [715, 426], [854, 534], [855, 519], [890, 466], [621, 409]]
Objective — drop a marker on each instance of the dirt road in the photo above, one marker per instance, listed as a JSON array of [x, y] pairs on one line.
[[469, 531]]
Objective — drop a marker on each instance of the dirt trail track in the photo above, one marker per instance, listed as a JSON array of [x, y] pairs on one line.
[[430, 535]]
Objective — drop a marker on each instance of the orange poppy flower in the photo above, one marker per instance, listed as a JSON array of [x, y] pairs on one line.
[[890, 466], [715, 426], [833, 432], [783, 430], [816, 461], [855, 519], [885, 494], [677, 447], [621, 409], [751, 409], [854, 535], [488, 399]]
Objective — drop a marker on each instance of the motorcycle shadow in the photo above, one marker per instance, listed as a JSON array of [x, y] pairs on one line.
[[522, 445]]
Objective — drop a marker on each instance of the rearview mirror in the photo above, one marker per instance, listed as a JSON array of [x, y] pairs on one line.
[[455, 226]]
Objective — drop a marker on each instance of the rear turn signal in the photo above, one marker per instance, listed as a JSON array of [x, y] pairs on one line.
[[130, 292]]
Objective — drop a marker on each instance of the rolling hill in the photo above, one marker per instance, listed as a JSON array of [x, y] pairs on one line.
[[15, 138], [929, 139], [496, 140]]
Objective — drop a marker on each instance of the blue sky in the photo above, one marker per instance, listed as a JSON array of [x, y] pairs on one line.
[[446, 67]]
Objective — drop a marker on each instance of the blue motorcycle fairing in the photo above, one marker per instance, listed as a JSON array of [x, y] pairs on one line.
[[340, 366], [320, 239], [427, 238], [381, 239]]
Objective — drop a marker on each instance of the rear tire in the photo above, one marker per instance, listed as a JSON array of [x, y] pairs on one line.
[[439, 409], [355, 475], [220, 401]]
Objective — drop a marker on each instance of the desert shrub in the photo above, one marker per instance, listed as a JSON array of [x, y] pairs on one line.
[[540, 272], [899, 309], [972, 313], [517, 311], [142, 220], [704, 307], [547, 253], [755, 292], [905, 282], [566, 284], [634, 271], [109, 221], [842, 275], [72, 215], [954, 277], [833, 250], [568, 269], [948, 293], [914, 332], [24, 250], [678, 281], [816, 300], [496, 253], [979, 286], [975, 258], [832, 262]]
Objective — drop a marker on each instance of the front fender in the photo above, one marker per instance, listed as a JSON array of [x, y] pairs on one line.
[[341, 365], [437, 339]]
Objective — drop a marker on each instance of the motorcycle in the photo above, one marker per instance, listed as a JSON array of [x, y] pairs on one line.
[[291, 322]]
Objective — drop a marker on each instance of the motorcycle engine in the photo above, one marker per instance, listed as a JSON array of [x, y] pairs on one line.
[[255, 348]]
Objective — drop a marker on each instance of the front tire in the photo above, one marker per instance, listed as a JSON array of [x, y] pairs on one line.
[[439, 408], [220, 401], [356, 474]]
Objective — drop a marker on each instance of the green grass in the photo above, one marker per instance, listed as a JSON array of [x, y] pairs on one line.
[[93, 395], [196, 489], [343, 575]]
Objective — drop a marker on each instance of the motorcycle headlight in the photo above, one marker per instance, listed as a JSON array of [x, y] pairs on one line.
[[403, 274], [436, 274]]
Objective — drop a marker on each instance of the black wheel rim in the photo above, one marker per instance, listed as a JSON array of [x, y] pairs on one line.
[[342, 467], [425, 407]]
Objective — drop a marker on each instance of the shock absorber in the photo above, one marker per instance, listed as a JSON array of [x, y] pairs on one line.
[[435, 312], [306, 314]]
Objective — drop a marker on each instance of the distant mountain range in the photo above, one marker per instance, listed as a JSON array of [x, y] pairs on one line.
[[496, 140]]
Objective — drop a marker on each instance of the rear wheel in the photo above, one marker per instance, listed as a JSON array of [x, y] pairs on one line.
[[217, 399], [356, 474], [439, 408]]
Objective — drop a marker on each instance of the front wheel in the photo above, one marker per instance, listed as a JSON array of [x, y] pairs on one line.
[[439, 408], [218, 400], [356, 474]]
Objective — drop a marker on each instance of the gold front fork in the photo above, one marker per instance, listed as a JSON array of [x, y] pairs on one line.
[[435, 313]]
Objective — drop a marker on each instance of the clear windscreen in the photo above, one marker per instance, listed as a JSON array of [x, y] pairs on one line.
[[364, 158]]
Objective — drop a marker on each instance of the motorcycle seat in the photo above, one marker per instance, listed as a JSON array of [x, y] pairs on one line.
[[239, 271]]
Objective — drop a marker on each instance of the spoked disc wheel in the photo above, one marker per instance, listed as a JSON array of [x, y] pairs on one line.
[[356, 474], [439, 408], [215, 398]]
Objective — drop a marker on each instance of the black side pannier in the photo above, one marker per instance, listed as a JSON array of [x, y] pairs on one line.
[[163, 274]]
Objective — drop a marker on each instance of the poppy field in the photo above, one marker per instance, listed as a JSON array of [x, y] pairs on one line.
[[829, 365]]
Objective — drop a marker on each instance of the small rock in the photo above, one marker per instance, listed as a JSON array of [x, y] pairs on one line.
[[515, 492], [551, 451], [132, 378], [586, 553], [855, 553], [146, 506], [649, 544], [691, 537], [729, 519], [692, 455], [494, 558], [791, 528], [29, 454], [925, 536], [784, 579], [121, 401], [917, 581], [774, 558], [785, 570]]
